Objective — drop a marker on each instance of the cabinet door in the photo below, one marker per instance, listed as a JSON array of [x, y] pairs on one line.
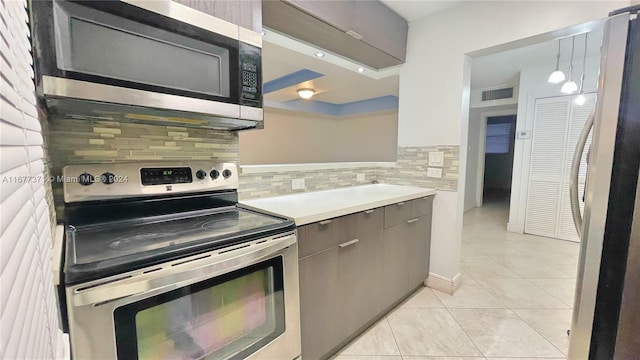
[[419, 249], [395, 281], [225, 10], [319, 299], [246, 13], [322, 235], [397, 213], [251, 15], [336, 13], [359, 283], [420, 207], [381, 28]]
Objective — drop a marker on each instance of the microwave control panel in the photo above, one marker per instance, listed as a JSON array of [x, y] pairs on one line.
[[251, 75]]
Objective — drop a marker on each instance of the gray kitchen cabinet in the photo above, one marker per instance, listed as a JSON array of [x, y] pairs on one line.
[[395, 279], [359, 285], [365, 31], [406, 248], [319, 300], [381, 28], [321, 235], [251, 15], [339, 14], [354, 267], [422, 206], [246, 13], [397, 213], [419, 249]]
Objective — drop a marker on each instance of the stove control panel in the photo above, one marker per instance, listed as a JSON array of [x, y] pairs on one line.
[[119, 180]]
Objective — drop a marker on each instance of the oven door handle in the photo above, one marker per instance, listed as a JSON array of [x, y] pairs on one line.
[[202, 267]]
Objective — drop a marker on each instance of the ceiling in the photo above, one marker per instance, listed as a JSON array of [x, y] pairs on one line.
[[412, 10], [337, 85], [503, 68]]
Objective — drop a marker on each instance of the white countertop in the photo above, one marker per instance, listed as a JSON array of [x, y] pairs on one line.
[[310, 207]]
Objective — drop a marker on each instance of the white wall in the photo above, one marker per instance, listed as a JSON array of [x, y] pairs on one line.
[[475, 150], [533, 84], [434, 84]]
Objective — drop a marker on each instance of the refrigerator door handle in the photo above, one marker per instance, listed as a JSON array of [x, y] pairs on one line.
[[575, 172]]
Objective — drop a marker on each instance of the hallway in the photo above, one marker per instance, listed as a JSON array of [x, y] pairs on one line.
[[514, 302]]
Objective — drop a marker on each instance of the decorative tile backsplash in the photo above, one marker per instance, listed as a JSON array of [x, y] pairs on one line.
[[412, 167], [85, 142], [80, 141], [279, 183]]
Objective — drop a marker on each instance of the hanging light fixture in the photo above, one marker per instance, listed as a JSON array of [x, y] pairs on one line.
[[570, 86], [581, 99], [557, 75]]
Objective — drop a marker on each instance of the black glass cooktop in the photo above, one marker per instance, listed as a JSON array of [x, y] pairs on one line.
[[108, 248]]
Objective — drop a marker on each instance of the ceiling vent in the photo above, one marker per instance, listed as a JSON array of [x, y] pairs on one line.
[[497, 94]]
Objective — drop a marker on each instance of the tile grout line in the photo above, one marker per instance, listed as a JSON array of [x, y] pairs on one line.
[[523, 320], [550, 294], [395, 340], [538, 332], [465, 333]]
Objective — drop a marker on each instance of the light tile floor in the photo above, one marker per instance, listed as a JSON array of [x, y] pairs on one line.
[[514, 302]]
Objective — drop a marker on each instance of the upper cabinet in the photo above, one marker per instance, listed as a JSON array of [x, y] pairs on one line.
[[381, 28], [365, 31], [336, 13], [246, 13]]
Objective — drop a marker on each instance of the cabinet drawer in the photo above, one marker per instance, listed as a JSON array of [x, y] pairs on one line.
[[422, 206], [321, 235], [397, 213], [365, 222]]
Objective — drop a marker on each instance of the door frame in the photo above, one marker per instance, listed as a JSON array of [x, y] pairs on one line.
[[483, 145]]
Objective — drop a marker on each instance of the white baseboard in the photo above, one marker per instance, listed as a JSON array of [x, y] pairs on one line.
[[63, 347], [516, 228], [443, 284]]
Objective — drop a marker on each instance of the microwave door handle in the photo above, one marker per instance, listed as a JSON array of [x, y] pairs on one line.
[[575, 172], [222, 262]]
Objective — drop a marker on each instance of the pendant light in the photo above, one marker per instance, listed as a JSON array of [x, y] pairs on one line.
[[570, 86], [557, 75], [581, 99]]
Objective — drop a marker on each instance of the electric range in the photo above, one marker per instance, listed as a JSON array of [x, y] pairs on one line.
[[160, 262]]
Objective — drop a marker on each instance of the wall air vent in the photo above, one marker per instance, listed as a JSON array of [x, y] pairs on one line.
[[497, 94]]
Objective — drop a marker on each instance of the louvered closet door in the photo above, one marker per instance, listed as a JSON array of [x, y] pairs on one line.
[[547, 165], [27, 301], [558, 123], [577, 117]]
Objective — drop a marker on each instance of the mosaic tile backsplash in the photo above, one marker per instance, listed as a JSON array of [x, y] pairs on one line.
[[411, 168], [79, 141]]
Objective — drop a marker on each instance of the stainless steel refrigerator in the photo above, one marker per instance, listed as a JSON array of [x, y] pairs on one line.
[[606, 315]]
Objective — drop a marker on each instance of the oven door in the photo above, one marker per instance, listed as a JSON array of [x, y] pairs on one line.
[[234, 303]]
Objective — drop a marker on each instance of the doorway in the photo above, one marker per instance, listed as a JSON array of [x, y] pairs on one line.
[[498, 160]]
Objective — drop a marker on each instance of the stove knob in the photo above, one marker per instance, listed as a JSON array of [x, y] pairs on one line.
[[107, 178], [226, 173], [85, 179], [214, 174], [201, 174]]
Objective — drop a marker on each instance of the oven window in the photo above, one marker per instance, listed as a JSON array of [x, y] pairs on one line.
[[229, 317]]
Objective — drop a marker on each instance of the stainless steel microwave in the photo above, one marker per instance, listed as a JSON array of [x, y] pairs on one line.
[[152, 62]]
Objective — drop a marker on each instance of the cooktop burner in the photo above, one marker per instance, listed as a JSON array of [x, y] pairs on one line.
[[140, 241], [120, 244]]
